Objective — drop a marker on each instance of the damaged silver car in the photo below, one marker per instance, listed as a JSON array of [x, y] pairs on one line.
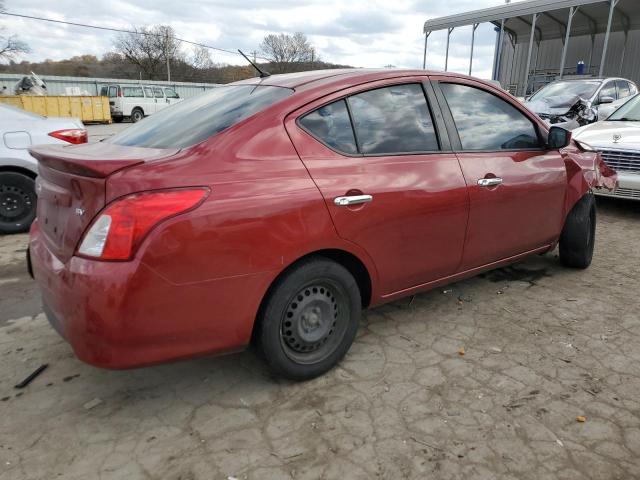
[[573, 102]]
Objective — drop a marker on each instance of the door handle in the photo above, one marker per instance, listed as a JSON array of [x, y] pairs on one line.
[[489, 182], [352, 200]]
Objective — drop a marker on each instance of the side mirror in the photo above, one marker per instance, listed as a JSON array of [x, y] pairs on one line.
[[558, 138], [604, 100]]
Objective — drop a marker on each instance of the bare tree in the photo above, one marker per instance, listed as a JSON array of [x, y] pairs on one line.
[[201, 58], [151, 49], [282, 49], [11, 47]]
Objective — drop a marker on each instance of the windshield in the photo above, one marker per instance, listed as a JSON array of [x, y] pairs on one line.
[[198, 118], [580, 88], [630, 111]]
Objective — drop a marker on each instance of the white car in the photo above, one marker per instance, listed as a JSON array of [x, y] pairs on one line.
[[607, 109], [20, 130], [618, 139], [137, 101], [575, 101]]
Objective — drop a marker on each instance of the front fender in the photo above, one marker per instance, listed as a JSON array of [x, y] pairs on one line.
[[585, 171]]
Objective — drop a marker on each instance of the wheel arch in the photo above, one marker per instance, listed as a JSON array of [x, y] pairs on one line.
[[347, 259], [16, 169]]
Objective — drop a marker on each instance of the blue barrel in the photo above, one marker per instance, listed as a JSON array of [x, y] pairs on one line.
[[580, 68]]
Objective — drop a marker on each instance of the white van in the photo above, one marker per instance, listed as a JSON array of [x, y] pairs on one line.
[[137, 101]]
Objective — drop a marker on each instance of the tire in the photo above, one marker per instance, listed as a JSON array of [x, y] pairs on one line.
[[117, 119], [17, 202], [578, 235], [309, 319], [136, 115]]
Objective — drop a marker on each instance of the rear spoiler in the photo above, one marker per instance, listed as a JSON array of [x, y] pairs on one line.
[[95, 160]]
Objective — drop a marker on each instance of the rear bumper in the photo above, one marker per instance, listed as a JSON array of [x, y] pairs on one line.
[[628, 187], [124, 315]]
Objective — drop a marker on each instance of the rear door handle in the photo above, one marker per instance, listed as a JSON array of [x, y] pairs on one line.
[[352, 200], [489, 182]]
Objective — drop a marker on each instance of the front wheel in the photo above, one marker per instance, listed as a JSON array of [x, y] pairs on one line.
[[17, 202], [310, 319], [579, 234]]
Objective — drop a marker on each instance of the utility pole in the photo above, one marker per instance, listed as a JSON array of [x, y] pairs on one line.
[[253, 54], [166, 54]]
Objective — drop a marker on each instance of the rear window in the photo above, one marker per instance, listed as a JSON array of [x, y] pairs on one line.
[[196, 119], [132, 92]]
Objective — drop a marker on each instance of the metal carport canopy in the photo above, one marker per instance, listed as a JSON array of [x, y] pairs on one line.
[[592, 18]]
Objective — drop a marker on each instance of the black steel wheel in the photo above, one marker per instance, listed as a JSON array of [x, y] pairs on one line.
[[314, 322], [17, 202], [310, 319]]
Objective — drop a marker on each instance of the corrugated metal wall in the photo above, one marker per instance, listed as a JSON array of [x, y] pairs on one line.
[[58, 85], [513, 64]]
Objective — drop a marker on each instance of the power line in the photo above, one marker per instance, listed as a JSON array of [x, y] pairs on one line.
[[119, 30]]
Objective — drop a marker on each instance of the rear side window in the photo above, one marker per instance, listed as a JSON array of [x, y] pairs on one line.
[[486, 122], [157, 92], [132, 92], [196, 119], [331, 125], [148, 92], [392, 120]]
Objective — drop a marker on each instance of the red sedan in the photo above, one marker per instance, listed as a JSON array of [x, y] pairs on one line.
[[271, 211]]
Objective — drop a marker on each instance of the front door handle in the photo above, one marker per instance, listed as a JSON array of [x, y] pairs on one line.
[[352, 200], [489, 182]]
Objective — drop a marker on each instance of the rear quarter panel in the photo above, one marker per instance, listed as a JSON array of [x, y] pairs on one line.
[[263, 212]]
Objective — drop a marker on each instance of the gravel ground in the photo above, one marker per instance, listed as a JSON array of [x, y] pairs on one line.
[[488, 378]]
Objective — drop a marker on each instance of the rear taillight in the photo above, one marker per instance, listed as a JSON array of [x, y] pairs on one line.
[[71, 135], [119, 229]]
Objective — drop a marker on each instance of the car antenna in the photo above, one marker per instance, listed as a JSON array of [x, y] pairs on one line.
[[263, 73]]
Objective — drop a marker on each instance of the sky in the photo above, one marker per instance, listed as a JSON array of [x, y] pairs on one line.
[[362, 33]]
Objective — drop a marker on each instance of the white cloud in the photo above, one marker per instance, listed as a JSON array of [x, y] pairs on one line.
[[362, 33]]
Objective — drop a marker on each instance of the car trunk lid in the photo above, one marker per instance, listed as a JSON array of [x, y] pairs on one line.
[[71, 187]]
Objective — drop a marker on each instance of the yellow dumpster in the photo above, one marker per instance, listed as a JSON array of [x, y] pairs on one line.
[[87, 109]]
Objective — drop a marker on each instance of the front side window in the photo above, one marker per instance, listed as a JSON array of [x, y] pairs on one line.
[[198, 118], [609, 90], [113, 92], [132, 92], [486, 122], [331, 125], [392, 120], [623, 88], [170, 93]]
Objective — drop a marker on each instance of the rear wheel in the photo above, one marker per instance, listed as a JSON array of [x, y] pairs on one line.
[[579, 233], [136, 115], [309, 319], [17, 202]]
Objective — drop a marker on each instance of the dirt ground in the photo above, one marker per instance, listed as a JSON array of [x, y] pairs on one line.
[[542, 346]]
